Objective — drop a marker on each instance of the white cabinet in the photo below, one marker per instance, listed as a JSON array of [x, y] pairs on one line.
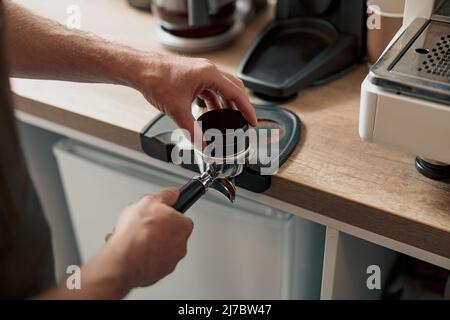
[[237, 251], [350, 263]]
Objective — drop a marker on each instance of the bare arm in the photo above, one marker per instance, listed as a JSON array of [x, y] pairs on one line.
[[150, 237], [44, 49]]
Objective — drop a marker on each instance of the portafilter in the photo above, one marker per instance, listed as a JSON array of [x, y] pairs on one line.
[[226, 151]]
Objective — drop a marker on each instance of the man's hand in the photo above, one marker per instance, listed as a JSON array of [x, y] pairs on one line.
[[172, 83], [150, 238]]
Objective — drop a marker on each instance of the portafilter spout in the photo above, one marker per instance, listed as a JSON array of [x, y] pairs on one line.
[[217, 172]]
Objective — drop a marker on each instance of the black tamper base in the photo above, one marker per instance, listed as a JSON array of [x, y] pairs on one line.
[[275, 99], [432, 171], [291, 55], [310, 42], [157, 141]]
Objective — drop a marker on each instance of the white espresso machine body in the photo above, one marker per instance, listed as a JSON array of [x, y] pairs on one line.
[[409, 110]]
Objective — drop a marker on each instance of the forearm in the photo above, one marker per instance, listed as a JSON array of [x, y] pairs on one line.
[[101, 279], [44, 49]]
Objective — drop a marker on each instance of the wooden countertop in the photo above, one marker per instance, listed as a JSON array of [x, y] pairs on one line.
[[332, 172]]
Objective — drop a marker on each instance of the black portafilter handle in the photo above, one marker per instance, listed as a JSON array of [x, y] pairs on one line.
[[189, 194]]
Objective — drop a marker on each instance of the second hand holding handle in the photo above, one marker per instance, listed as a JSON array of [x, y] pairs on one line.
[[193, 191]]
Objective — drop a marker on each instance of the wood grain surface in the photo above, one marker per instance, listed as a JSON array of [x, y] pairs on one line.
[[332, 172]]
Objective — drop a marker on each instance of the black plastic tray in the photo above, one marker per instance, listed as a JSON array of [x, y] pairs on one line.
[[290, 55]]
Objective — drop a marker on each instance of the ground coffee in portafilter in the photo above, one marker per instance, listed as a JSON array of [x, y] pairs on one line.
[[227, 125]]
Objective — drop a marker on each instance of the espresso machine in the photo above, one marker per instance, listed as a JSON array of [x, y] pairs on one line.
[[405, 99], [203, 25]]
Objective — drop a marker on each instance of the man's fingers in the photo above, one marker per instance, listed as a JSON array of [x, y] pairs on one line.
[[229, 104], [185, 120], [235, 80], [212, 99], [189, 225], [233, 92], [168, 196], [108, 236]]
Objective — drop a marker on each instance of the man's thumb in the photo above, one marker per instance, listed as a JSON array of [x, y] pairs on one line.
[[168, 196]]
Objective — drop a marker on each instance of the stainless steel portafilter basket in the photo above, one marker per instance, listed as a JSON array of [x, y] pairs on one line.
[[220, 164]]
